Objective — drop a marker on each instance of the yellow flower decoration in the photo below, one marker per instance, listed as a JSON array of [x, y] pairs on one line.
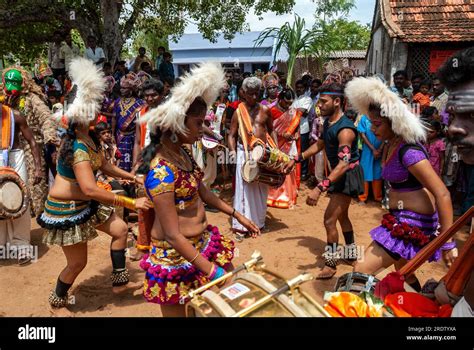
[[171, 290], [160, 173]]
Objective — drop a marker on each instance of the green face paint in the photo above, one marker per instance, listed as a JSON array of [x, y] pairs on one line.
[[13, 80]]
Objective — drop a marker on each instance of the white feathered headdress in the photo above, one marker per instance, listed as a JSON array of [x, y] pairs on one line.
[[205, 81], [362, 92], [90, 86]]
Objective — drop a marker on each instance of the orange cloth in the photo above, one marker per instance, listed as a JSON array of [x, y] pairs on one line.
[[346, 304], [423, 99], [6, 123], [406, 304], [376, 190], [143, 126]]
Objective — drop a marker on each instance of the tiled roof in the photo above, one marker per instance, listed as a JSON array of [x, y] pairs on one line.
[[429, 20], [348, 54]]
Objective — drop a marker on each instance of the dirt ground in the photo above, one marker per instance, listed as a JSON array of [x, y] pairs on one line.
[[294, 244]]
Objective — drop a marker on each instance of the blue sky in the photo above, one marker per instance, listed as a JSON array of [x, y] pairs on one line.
[[305, 9]]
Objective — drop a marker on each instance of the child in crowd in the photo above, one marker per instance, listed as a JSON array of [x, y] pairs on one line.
[[423, 98], [435, 146]]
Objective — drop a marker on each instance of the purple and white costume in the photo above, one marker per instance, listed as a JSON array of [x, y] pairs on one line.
[[404, 232]]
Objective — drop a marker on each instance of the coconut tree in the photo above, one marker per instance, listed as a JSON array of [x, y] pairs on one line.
[[295, 38]]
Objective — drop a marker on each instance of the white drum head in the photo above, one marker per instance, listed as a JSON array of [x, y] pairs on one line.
[[258, 152], [250, 171], [209, 143], [11, 196]]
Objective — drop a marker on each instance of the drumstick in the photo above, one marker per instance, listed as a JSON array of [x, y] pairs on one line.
[[256, 258], [289, 285]]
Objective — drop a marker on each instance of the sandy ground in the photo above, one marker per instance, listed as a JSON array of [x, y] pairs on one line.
[[294, 244]]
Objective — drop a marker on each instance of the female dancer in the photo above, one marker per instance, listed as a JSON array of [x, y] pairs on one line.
[[420, 204], [75, 205], [186, 251]]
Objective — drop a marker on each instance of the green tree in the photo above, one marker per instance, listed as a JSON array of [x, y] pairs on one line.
[[293, 37], [332, 26], [26, 25], [347, 35]]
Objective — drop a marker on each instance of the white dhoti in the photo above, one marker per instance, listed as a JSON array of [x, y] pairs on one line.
[[207, 161], [16, 232], [250, 199]]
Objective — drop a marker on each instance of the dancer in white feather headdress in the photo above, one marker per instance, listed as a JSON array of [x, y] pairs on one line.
[[76, 205], [414, 216], [204, 82], [89, 86], [185, 251], [365, 92]]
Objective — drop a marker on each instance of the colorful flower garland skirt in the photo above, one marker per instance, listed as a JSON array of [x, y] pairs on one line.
[[169, 277], [405, 232]]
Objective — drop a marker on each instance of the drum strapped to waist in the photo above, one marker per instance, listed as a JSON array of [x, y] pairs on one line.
[[271, 159], [14, 200], [251, 172], [247, 289], [356, 282]]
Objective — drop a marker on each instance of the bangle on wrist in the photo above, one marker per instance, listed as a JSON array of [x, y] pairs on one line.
[[193, 259], [212, 273], [233, 213], [126, 202]]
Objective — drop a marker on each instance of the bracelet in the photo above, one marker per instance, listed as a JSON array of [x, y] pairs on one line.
[[324, 185], [126, 202], [197, 254], [212, 273], [233, 213]]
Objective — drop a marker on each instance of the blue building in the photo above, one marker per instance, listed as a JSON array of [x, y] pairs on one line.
[[238, 54]]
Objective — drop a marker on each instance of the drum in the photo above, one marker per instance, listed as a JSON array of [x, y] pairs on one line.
[[251, 172], [356, 282], [13, 194], [271, 159], [209, 143], [245, 290]]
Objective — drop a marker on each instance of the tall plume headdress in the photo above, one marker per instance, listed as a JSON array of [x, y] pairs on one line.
[[90, 84], [362, 92], [205, 81]]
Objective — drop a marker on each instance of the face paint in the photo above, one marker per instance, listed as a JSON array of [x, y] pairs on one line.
[[12, 81]]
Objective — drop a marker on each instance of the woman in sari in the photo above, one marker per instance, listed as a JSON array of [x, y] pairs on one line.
[[125, 109], [270, 83], [286, 123]]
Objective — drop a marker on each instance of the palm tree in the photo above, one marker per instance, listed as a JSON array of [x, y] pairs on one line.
[[294, 37]]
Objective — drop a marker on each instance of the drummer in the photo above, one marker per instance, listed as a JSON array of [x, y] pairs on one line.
[[250, 198], [186, 251], [16, 232]]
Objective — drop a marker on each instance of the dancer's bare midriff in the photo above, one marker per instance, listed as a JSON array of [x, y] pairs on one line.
[[420, 201], [192, 222], [67, 190]]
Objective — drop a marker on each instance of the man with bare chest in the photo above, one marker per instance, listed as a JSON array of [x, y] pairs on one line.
[[16, 232], [251, 120]]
